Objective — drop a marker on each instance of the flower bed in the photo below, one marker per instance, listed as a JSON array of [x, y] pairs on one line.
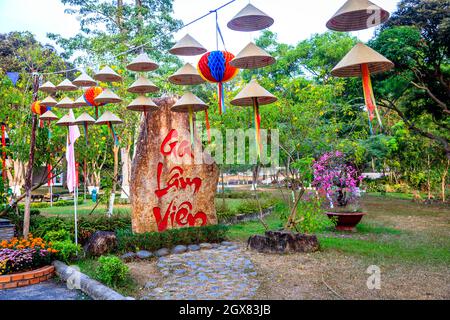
[[26, 278]]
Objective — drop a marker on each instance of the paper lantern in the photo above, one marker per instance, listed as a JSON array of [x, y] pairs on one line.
[[142, 63], [215, 67], [89, 96], [250, 19], [38, 108], [186, 76], [252, 57], [187, 46]]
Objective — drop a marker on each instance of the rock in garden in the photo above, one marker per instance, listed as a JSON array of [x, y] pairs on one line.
[[193, 247], [150, 285], [129, 256], [100, 243], [179, 249], [143, 254], [283, 242], [227, 243], [205, 245], [162, 252]]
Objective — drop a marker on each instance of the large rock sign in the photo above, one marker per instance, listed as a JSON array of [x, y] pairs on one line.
[[170, 187]]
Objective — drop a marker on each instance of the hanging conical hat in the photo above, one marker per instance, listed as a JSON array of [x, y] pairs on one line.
[[65, 103], [252, 57], [189, 100], [107, 96], [142, 104], [350, 65], [251, 91], [187, 46], [84, 80], [110, 117], [66, 121], [48, 116], [107, 75], [84, 118], [66, 85], [143, 85], [187, 75], [142, 63], [250, 19], [49, 102], [357, 15], [80, 102], [48, 87]]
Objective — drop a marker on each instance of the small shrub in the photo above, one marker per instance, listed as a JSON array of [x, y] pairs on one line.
[[57, 235], [111, 270], [67, 250]]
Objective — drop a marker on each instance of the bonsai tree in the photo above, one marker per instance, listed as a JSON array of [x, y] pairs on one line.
[[336, 178]]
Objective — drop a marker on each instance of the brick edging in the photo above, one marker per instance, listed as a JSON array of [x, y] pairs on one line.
[[23, 279]]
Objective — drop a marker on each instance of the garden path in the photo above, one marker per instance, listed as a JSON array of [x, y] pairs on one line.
[[48, 290]]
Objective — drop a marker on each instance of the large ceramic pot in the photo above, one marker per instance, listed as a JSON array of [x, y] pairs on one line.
[[346, 221]]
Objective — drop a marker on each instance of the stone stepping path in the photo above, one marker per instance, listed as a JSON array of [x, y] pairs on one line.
[[224, 272], [48, 290]]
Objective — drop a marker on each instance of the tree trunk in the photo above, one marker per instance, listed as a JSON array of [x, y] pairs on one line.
[[114, 186], [444, 180]]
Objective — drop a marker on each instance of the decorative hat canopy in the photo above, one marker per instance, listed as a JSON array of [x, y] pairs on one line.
[[108, 117], [80, 102], [65, 103], [189, 101], [350, 65], [49, 102], [84, 80], [107, 96], [143, 85], [66, 85], [251, 91], [84, 119], [142, 104], [66, 121], [250, 19], [107, 75], [187, 75], [187, 46], [142, 63], [48, 116], [357, 15], [252, 57], [48, 87]]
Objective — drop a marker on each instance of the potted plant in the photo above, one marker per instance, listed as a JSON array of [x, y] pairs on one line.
[[338, 180]]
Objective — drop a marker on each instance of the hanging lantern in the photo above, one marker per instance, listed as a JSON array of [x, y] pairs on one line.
[[49, 102], [80, 102], [66, 85], [186, 76], [215, 67], [107, 96], [357, 15], [254, 95], [250, 19], [85, 120], [187, 46], [110, 119], [107, 75], [48, 87], [84, 80], [66, 121], [189, 103], [142, 63], [362, 61], [252, 57], [65, 103], [143, 85], [142, 104], [38, 108], [89, 96]]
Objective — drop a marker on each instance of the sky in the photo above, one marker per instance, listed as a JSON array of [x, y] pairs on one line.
[[295, 20]]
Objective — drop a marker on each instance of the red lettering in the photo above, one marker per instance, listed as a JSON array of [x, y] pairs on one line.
[[180, 216]]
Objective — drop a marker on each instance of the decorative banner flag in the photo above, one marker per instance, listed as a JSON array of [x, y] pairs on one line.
[[368, 94], [13, 76], [74, 134]]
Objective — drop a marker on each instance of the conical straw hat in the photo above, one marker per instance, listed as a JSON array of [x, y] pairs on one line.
[[48, 116], [80, 102], [107, 75], [84, 80], [143, 85], [187, 46], [66, 85], [110, 117], [251, 91], [350, 65], [189, 100], [48, 87], [142, 63], [252, 57], [66, 121], [65, 103], [107, 96], [187, 75], [49, 102], [142, 104], [357, 15], [250, 19], [84, 118]]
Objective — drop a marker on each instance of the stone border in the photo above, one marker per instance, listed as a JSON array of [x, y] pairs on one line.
[[26, 278], [79, 280], [247, 217]]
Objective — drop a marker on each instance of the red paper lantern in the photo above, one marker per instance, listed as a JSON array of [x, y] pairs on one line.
[[90, 94], [37, 108]]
